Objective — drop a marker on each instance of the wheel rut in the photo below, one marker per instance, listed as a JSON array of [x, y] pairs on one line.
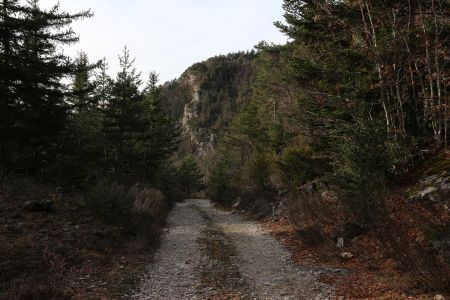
[[207, 253]]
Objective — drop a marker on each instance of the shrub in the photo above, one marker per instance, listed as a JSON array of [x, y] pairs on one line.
[[364, 162], [311, 236], [112, 202], [322, 211], [299, 165], [259, 169], [23, 186], [139, 211], [219, 186], [37, 290], [148, 201], [430, 270]]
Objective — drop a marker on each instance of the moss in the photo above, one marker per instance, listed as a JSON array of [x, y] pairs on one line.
[[434, 165], [438, 164], [414, 190]]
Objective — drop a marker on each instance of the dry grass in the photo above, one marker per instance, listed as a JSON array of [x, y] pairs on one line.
[[394, 258], [68, 252], [148, 200]]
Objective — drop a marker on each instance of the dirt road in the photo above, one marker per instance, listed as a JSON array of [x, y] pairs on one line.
[[207, 253]]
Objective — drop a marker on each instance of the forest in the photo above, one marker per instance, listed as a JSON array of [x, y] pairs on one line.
[[342, 133], [343, 126]]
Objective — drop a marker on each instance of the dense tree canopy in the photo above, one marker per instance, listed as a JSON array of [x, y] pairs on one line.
[[95, 127], [360, 88]]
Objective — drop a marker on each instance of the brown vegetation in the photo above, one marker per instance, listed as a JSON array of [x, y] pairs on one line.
[[403, 255], [53, 247]]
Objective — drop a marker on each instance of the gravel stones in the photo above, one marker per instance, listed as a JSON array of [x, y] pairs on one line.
[[212, 254]]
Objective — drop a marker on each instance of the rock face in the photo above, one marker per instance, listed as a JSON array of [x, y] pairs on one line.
[[206, 97], [347, 255], [39, 206], [433, 188]]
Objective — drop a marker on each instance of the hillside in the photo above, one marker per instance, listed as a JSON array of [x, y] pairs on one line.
[[318, 168], [334, 124], [207, 96]]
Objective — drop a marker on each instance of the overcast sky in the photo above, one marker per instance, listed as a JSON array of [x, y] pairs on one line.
[[170, 35]]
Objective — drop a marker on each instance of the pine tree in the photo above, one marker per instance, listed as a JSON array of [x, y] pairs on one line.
[[83, 139], [158, 138], [102, 85], [122, 114], [190, 177], [9, 41], [102, 95], [31, 87], [82, 86]]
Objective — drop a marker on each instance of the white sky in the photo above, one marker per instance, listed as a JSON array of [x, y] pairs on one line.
[[170, 35]]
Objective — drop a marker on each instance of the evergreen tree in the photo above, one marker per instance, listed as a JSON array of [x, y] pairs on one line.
[[82, 86], [102, 95], [190, 177], [9, 42], [102, 85], [32, 91], [122, 114], [83, 139], [158, 138]]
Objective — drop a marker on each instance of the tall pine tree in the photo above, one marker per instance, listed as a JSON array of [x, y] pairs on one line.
[[31, 89], [122, 114], [158, 137]]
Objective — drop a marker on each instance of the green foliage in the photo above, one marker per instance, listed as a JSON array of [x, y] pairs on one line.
[[219, 182], [341, 102], [224, 86], [363, 165], [298, 165], [189, 176], [122, 115], [158, 137], [76, 135], [33, 110], [259, 169], [111, 202]]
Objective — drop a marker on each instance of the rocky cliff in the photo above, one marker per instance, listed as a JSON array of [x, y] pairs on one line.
[[206, 97]]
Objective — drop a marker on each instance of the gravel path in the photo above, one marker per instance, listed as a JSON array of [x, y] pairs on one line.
[[208, 253]]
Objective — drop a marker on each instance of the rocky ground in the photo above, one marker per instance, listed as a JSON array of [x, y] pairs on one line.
[[207, 253]]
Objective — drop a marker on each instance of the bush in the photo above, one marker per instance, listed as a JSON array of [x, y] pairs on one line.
[[320, 210], [428, 268], [37, 290], [311, 236], [364, 162], [112, 202], [299, 165], [259, 169], [23, 186], [148, 201], [219, 186], [139, 211]]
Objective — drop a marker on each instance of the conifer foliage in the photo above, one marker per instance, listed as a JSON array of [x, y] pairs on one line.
[[358, 90], [32, 95], [94, 128]]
